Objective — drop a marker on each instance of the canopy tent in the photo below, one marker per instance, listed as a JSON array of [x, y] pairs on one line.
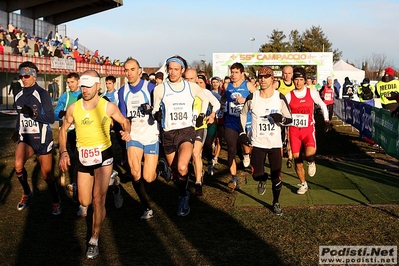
[[342, 70]]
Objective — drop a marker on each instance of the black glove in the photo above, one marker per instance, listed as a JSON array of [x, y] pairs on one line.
[[275, 118], [200, 120], [327, 126], [146, 109], [61, 114], [158, 116], [244, 139], [27, 111], [393, 96], [395, 113], [15, 136]]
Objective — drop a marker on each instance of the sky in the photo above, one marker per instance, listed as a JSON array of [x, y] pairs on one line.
[[152, 31]]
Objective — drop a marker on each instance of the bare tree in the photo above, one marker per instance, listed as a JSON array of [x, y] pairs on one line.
[[375, 64]]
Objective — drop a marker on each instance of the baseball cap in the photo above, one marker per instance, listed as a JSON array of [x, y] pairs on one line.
[[265, 71], [28, 71], [88, 81], [389, 71]]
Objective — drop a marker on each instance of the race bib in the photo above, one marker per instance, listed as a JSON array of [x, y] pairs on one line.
[[235, 109], [90, 156], [328, 96], [300, 120], [265, 128], [29, 126]]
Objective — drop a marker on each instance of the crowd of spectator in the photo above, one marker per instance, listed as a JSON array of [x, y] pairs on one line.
[[54, 45]]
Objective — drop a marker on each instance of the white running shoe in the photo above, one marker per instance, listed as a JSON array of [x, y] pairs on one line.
[[246, 160], [311, 169], [302, 188], [92, 251], [148, 214], [82, 212]]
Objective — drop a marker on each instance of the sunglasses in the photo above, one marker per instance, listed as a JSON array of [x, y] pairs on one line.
[[24, 76], [264, 76]]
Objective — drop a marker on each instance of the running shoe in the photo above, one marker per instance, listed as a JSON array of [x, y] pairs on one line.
[[114, 180], [215, 161], [277, 209], [261, 187], [82, 212], [118, 198], [210, 169], [92, 251], [311, 169], [71, 188], [198, 189], [23, 203], [164, 169], [148, 214], [184, 207], [246, 161], [233, 183], [289, 163], [302, 188], [56, 208]]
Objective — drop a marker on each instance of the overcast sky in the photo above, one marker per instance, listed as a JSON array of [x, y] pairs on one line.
[[152, 31]]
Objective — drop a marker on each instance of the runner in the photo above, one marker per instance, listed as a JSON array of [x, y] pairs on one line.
[[173, 106], [92, 115], [269, 111], [34, 135], [236, 92], [201, 130], [302, 132], [136, 104]]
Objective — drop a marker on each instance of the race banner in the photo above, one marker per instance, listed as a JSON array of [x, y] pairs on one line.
[[62, 63]]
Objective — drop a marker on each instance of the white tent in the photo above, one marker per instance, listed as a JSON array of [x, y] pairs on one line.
[[342, 70]]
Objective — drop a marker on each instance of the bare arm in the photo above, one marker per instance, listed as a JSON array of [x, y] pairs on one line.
[[65, 161], [114, 112]]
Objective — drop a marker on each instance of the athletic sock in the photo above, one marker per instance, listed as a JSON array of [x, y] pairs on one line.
[[53, 189], [182, 185], [140, 190], [23, 179], [93, 241]]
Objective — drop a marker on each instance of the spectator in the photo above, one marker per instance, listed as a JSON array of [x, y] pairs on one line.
[[386, 88], [347, 89], [365, 91]]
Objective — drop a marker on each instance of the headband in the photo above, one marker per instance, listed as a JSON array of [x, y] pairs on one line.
[[175, 59]]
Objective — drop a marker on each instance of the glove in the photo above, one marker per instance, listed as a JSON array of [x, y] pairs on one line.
[[146, 109], [15, 136], [393, 96], [395, 113], [327, 126], [61, 114], [244, 139], [275, 118], [27, 111], [158, 115], [200, 120]]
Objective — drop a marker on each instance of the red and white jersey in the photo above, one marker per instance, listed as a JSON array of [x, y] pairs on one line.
[[302, 103]]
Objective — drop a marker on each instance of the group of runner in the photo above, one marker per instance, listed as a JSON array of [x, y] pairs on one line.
[[172, 121]]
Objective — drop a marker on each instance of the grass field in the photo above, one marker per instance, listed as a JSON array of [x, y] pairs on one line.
[[216, 232]]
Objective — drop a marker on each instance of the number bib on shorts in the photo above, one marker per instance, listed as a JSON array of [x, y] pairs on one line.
[[300, 120], [235, 109], [29, 126], [90, 156]]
